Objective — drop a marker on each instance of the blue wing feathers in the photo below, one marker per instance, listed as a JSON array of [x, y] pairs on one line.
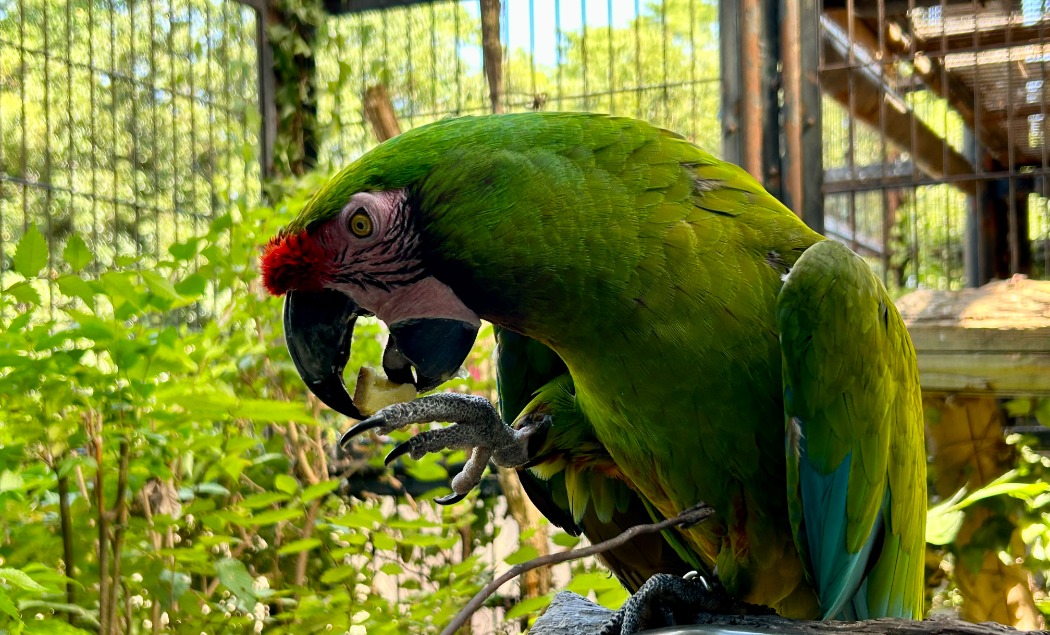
[[839, 573]]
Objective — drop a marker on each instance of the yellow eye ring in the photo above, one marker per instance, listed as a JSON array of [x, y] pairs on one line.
[[360, 224]]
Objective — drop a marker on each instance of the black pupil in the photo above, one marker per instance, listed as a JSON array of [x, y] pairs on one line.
[[360, 222]]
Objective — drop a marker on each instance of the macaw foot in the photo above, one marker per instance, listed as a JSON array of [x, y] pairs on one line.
[[668, 600], [478, 427]]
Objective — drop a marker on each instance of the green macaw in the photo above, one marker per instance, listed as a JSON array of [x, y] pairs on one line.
[[669, 334]]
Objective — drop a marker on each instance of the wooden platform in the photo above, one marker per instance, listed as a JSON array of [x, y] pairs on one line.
[[995, 339]]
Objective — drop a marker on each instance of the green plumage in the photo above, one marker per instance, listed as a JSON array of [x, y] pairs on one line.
[[653, 271]]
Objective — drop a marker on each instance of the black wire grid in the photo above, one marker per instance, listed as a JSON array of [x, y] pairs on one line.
[[129, 122]]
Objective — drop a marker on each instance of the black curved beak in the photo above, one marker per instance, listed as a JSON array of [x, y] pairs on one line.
[[319, 327], [435, 347]]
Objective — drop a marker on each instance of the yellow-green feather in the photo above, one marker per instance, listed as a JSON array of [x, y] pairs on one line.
[[851, 388], [652, 270]]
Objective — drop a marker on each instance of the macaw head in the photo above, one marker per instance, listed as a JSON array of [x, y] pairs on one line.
[[356, 249], [518, 219]]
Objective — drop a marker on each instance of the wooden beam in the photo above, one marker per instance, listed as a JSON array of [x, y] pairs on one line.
[[343, 7], [1016, 34], [994, 339], [946, 85], [898, 120], [870, 8], [892, 175]]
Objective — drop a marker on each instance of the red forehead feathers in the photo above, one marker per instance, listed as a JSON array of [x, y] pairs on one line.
[[295, 261]]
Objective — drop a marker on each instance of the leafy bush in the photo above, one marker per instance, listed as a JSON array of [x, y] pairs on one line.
[[162, 464]]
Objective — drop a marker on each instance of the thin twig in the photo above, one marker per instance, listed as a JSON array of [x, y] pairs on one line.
[[120, 523], [691, 516], [66, 523], [104, 582]]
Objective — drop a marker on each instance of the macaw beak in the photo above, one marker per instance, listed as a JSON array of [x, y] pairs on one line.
[[435, 348], [319, 328]]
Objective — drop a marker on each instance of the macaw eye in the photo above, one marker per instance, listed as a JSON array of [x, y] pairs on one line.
[[360, 223]]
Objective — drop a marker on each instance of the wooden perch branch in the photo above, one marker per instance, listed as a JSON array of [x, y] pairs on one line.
[[380, 113], [571, 614], [691, 516]]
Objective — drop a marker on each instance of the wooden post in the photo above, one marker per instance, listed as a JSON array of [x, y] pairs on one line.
[[380, 113], [802, 164], [749, 34], [492, 52]]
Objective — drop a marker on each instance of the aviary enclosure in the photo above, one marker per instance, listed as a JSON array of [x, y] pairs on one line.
[[161, 465]]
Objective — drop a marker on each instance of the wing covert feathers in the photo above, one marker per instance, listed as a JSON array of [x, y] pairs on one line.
[[855, 448]]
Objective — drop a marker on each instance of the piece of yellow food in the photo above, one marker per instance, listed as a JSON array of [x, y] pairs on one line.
[[375, 392]]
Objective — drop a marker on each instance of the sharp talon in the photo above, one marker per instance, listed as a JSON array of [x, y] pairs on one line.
[[695, 575], [401, 450], [370, 423], [451, 499]]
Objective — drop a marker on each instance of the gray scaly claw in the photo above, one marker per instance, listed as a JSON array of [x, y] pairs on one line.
[[668, 600], [477, 427]]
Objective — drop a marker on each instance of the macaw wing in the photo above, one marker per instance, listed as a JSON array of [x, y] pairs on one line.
[[856, 458], [570, 477]]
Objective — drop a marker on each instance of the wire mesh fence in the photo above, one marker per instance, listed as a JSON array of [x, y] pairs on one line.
[[652, 60], [934, 144], [129, 123]]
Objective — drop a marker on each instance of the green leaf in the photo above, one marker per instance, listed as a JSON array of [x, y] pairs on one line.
[[77, 254], [192, 285], [392, 568], [213, 489], [184, 250], [274, 516], [221, 223], [319, 490], [286, 484], [24, 292], [613, 598], [413, 523], [529, 607], [77, 287], [264, 499], [426, 469], [338, 574], [944, 520], [298, 546], [1018, 407], [1042, 412], [31, 253], [11, 481], [942, 525], [383, 542], [55, 626], [360, 518], [563, 539], [271, 410], [159, 285], [235, 577], [7, 606], [528, 552], [21, 580]]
